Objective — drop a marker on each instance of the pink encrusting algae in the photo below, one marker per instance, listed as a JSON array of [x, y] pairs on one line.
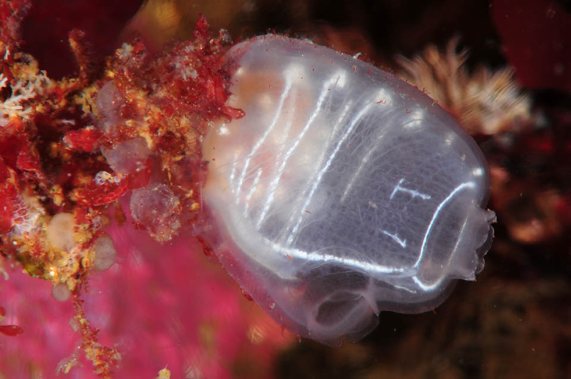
[[160, 306]]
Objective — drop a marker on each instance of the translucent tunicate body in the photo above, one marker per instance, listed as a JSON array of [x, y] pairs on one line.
[[343, 191]]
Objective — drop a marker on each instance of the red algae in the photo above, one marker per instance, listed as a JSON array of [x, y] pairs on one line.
[[64, 147], [12, 13], [83, 140], [11, 330], [153, 112]]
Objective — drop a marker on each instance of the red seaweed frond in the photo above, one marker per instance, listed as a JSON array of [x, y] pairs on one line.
[[157, 108], [9, 329], [12, 13]]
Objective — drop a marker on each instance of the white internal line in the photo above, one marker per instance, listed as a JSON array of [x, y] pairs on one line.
[[325, 91], [252, 191], [311, 182], [396, 238], [362, 165], [263, 138], [324, 169], [413, 193], [435, 216], [346, 262]]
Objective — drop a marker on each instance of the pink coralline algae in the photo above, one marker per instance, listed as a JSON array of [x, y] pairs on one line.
[[214, 332]]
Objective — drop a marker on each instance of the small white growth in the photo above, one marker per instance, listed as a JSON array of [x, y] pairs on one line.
[[3, 81], [22, 91], [413, 193], [105, 253], [60, 231], [125, 51], [185, 72], [104, 177], [26, 216]]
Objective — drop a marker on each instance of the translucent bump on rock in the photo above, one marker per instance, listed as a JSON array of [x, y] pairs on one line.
[[127, 157], [343, 191], [60, 292], [156, 208], [104, 253], [108, 103]]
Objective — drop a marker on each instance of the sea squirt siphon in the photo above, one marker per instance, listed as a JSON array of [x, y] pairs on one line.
[[342, 192]]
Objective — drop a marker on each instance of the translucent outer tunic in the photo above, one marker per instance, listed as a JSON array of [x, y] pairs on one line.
[[343, 191]]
